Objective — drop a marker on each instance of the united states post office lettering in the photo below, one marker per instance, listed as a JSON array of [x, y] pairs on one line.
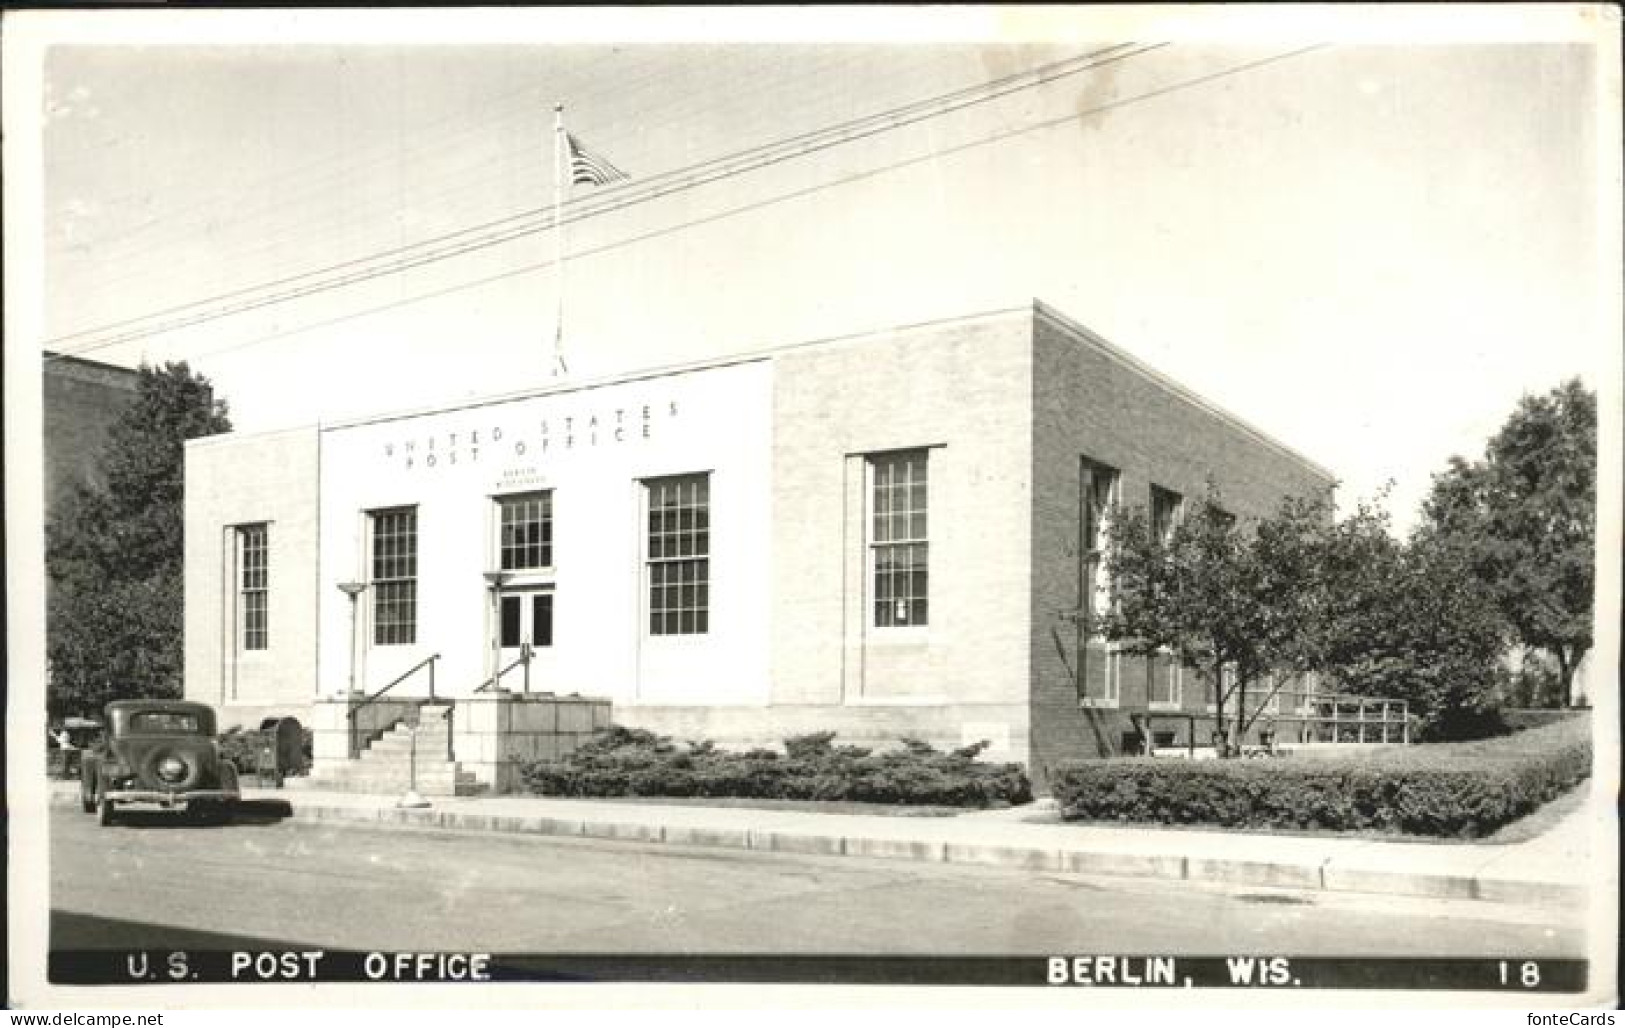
[[576, 431]]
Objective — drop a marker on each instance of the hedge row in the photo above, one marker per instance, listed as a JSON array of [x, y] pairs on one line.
[[1445, 789], [632, 762]]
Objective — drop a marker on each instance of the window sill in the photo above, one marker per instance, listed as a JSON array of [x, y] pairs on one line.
[[1171, 707], [1099, 704]]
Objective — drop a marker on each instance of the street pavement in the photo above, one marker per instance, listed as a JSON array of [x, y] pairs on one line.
[[1553, 868], [274, 881]]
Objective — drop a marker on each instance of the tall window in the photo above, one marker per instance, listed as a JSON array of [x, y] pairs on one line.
[[899, 542], [253, 580], [1098, 495], [527, 531], [1166, 687], [1167, 507], [394, 576], [679, 554]]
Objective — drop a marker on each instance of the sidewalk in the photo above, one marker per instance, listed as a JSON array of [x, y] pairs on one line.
[[1553, 868]]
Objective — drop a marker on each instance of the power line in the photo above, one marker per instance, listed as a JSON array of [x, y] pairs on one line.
[[771, 201], [614, 199]]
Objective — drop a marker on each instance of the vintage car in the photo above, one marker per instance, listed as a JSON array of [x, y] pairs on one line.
[[158, 754]]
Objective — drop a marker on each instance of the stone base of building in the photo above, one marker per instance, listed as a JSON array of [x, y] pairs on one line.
[[491, 734]]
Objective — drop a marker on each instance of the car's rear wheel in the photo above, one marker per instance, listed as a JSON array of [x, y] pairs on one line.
[[87, 799]]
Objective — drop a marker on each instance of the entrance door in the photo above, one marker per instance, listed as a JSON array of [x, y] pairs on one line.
[[525, 620]]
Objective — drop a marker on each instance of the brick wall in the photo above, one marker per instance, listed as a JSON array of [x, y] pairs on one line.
[[1091, 401], [961, 389], [82, 400], [234, 480]]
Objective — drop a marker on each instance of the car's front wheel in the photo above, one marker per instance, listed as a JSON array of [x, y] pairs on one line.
[[87, 798], [104, 810]]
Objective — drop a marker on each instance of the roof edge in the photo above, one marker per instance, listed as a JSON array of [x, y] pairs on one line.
[[659, 371], [1113, 352]]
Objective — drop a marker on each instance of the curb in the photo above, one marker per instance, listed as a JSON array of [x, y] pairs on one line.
[[1318, 876]]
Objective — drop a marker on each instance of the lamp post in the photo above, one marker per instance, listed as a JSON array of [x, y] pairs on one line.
[[353, 590], [494, 580]]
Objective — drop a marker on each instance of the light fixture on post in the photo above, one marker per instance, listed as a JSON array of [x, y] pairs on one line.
[[494, 581], [353, 590]]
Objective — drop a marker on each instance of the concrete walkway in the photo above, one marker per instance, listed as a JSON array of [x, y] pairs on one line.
[[1553, 868]]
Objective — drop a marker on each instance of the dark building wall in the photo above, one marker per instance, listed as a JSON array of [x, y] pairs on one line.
[[82, 400], [1091, 401]]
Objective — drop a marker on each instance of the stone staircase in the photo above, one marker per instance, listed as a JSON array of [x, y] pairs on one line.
[[386, 766]]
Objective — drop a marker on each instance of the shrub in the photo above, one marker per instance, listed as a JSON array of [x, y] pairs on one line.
[[241, 748], [632, 762], [1449, 789]]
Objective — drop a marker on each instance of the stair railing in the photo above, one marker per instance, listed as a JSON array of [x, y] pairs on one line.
[[355, 727], [523, 660]]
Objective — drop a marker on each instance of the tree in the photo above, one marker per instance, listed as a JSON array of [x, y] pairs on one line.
[[1223, 600], [1523, 521], [1301, 592], [114, 553], [1405, 622]]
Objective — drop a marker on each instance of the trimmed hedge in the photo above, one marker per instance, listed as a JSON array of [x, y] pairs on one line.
[[1446, 789], [633, 762]]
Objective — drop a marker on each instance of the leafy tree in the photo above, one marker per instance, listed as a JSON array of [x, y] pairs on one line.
[[1300, 592], [1218, 597], [114, 553], [1408, 622], [1523, 521]]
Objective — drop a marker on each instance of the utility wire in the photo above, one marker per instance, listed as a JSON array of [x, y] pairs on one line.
[[615, 199], [770, 201]]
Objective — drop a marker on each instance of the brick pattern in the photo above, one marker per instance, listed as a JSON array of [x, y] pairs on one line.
[[233, 480], [1088, 402], [82, 400], [961, 390]]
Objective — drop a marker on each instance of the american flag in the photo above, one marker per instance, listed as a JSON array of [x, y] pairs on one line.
[[588, 168]]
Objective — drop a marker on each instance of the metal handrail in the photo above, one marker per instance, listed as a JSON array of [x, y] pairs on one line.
[[368, 701], [524, 659]]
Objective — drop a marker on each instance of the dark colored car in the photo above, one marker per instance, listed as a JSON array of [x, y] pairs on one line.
[[158, 754]]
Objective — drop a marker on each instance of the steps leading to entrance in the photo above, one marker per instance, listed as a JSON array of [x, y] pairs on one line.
[[386, 765]]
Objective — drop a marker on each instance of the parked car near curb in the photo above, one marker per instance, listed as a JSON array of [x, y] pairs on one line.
[[158, 754]]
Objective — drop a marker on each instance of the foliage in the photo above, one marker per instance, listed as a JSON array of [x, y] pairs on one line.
[[1217, 595], [1523, 521], [1300, 591], [1446, 789], [632, 762], [1407, 622], [242, 747], [114, 552]]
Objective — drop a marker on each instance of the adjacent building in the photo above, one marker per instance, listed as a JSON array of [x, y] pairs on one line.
[[887, 535], [82, 400]]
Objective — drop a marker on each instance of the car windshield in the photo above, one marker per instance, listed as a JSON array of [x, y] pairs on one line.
[[163, 722]]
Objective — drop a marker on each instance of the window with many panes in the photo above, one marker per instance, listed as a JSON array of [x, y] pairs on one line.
[[394, 576], [1098, 489], [899, 546], [253, 581], [1167, 507], [679, 554], [526, 531]]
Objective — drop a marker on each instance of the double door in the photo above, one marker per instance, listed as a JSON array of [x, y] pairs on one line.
[[524, 621]]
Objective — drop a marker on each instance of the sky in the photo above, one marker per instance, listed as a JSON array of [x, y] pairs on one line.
[[1367, 246]]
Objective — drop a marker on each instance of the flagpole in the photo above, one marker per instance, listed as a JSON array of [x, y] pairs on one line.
[[560, 179]]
